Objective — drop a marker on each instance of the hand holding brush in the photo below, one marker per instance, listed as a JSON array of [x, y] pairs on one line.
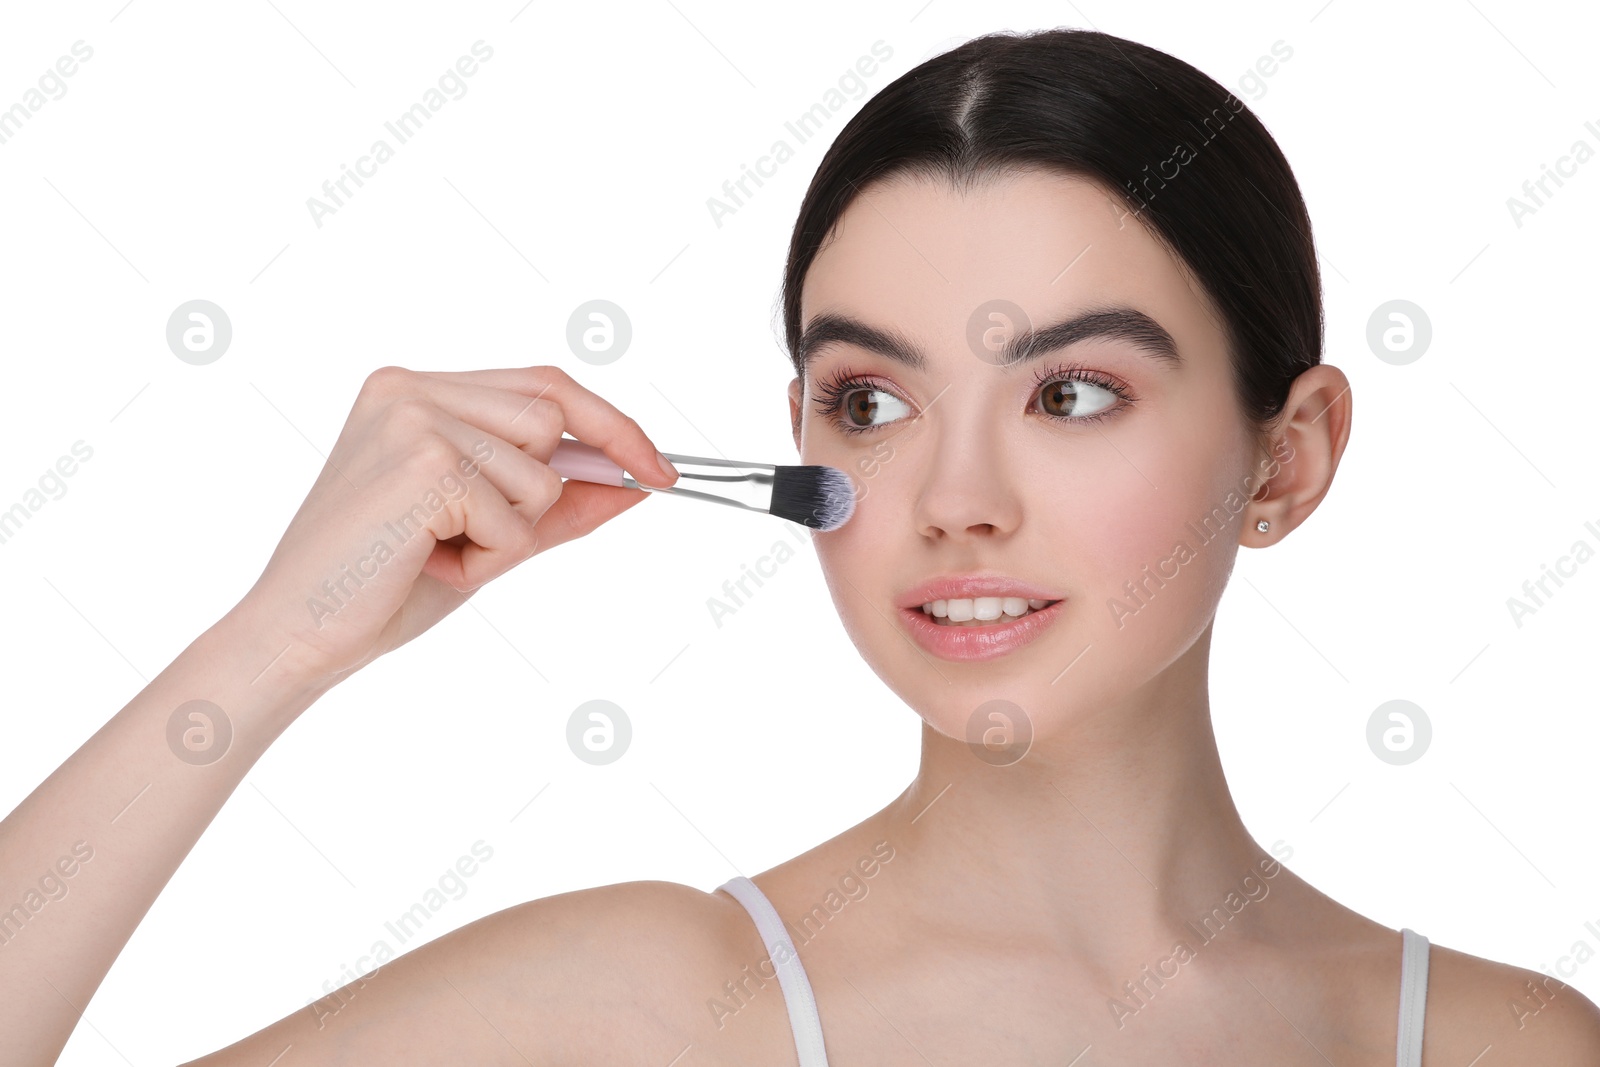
[[816, 496]]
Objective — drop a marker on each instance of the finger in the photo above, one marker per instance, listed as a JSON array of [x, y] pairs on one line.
[[515, 480], [582, 508], [586, 416], [528, 485], [533, 424], [504, 522], [498, 537]]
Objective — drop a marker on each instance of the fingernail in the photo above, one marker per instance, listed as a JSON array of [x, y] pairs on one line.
[[666, 466]]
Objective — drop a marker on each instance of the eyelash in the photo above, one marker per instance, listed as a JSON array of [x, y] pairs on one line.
[[831, 393]]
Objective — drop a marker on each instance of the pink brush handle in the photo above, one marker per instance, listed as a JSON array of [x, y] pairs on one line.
[[574, 459]]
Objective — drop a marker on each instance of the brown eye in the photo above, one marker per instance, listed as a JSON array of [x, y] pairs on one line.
[[1085, 399], [866, 402]]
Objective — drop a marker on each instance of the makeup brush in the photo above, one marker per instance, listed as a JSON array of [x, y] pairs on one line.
[[815, 496]]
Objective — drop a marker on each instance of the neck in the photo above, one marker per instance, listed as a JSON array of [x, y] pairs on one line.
[[1116, 831]]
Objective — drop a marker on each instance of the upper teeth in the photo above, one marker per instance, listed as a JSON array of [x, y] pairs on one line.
[[983, 607]]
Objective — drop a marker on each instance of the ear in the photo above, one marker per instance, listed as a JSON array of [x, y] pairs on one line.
[[796, 394], [1308, 440]]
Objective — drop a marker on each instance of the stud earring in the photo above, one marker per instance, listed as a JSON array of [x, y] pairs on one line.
[[1262, 525]]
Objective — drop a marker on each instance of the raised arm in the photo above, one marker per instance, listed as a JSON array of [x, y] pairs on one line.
[[437, 484]]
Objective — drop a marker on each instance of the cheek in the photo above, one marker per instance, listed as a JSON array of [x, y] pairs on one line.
[[874, 512], [848, 557], [859, 559], [1164, 549]]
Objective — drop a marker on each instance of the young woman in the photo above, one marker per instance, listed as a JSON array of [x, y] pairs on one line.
[[1053, 303]]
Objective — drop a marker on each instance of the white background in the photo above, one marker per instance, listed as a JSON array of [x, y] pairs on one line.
[[577, 166]]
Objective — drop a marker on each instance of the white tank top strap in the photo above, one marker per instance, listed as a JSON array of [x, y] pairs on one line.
[[807, 1026], [1413, 997], [797, 994]]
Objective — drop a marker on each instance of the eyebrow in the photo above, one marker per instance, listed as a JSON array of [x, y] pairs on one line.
[[1113, 323]]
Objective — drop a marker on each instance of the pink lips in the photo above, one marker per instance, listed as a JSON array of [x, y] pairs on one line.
[[978, 643], [970, 587]]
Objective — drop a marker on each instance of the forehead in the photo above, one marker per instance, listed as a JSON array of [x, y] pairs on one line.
[[917, 255]]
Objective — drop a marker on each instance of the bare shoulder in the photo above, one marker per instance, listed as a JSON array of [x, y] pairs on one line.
[[625, 973], [1508, 1015]]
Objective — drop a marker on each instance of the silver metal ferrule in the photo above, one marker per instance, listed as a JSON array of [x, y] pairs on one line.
[[751, 490]]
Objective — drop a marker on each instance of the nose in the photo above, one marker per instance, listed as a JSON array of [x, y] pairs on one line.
[[966, 485]]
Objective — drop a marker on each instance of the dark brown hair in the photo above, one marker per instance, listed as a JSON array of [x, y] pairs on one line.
[[1186, 155]]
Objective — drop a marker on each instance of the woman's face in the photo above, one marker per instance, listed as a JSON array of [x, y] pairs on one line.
[[969, 465]]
